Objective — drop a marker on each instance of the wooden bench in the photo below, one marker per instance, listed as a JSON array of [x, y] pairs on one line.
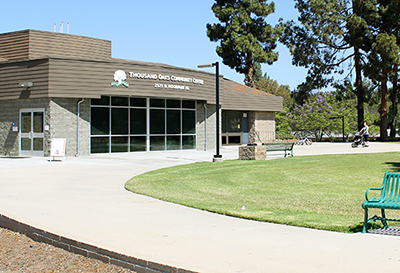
[[287, 147], [389, 199]]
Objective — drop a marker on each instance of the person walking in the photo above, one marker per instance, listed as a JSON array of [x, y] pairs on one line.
[[365, 133]]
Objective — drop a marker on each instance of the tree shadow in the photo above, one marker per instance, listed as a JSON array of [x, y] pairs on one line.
[[395, 166]]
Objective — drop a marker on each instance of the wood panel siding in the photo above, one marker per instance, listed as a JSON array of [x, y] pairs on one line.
[[53, 44], [240, 97], [91, 79], [11, 74], [14, 46], [33, 44]]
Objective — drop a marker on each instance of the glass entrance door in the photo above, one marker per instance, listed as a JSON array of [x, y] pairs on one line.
[[32, 132]]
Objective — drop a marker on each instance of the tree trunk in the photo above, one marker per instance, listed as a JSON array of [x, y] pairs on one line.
[[393, 109], [359, 88], [250, 75], [383, 125]]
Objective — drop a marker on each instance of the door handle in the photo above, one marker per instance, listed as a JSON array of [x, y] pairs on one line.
[[30, 135]]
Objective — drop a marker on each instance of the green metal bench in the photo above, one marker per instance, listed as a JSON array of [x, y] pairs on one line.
[[389, 199], [287, 147]]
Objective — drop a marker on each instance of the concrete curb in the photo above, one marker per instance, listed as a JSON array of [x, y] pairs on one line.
[[86, 250]]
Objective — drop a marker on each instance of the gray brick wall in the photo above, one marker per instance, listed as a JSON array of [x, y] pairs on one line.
[[63, 124], [261, 126], [206, 133], [60, 117]]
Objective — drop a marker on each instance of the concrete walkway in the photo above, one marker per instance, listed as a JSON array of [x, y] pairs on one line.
[[84, 199]]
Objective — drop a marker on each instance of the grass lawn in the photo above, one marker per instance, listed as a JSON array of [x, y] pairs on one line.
[[323, 192]]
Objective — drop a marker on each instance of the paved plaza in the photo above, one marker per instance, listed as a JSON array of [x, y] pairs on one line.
[[84, 199]]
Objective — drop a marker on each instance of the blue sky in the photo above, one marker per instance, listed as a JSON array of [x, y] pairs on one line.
[[170, 32]]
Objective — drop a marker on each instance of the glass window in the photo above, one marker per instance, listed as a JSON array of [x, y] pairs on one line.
[[160, 103], [173, 104], [100, 122], [138, 121], [101, 101], [138, 143], [173, 143], [38, 122], [26, 122], [119, 121], [99, 145], [25, 144], [189, 104], [119, 144], [124, 124], [38, 144], [157, 121], [188, 122], [157, 143], [138, 102], [188, 142], [173, 121], [119, 101]]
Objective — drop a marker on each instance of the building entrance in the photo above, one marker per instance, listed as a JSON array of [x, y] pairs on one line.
[[32, 132]]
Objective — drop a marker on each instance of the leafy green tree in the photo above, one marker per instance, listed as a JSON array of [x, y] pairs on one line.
[[314, 118], [245, 36], [382, 45], [324, 42]]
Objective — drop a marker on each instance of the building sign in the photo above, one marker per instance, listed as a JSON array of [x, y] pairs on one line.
[[119, 78], [172, 81]]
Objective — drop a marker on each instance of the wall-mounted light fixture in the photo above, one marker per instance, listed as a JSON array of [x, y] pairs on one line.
[[25, 84]]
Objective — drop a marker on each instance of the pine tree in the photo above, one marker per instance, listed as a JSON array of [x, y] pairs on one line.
[[244, 35]]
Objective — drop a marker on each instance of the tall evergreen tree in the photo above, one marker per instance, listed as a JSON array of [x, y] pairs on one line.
[[245, 36], [382, 45], [323, 43]]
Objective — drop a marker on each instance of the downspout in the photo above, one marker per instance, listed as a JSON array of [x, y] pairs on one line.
[[205, 126], [77, 130]]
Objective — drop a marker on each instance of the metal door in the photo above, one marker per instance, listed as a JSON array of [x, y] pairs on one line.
[[32, 132]]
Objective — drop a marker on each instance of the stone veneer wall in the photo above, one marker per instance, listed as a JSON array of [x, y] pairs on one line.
[[261, 127], [60, 116], [63, 124], [205, 127], [9, 113]]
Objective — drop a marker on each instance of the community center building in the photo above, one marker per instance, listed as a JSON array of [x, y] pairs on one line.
[[61, 86]]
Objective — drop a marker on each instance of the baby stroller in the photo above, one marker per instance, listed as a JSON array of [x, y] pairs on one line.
[[358, 140]]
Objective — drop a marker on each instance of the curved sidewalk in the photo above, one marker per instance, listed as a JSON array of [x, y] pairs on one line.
[[84, 199]]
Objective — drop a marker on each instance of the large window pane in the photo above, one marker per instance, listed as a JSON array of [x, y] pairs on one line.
[[157, 103], [138, 143], [188, 142], [119, 101], [188, 122], [119, 144], [138, 102], [173, 143], [99, 145], [100, 123], [157, 121], [173, 121], [138, 121], [101, 101], [157, 143], [189, 104], [173, 104], [119, 121]]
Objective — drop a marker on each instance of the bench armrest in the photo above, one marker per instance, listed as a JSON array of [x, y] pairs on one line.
[[373, 199]]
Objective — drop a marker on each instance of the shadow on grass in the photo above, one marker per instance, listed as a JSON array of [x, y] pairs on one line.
[[359, 227], [395, 166]]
